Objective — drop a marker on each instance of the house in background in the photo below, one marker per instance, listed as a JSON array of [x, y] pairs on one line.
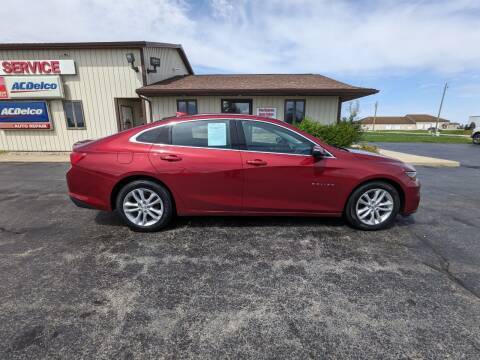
[[387, 123], [425, 122], [407, 122]]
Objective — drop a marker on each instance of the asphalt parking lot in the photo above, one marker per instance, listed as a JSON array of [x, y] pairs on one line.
[[76, 283]]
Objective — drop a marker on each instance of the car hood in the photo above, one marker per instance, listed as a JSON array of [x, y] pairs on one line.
[[369, 156]]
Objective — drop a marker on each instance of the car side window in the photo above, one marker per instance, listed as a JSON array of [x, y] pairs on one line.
[[158, 135], [266, 137], [203, 133]]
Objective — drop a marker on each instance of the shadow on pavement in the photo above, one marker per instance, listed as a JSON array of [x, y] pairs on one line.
[[113, 219]]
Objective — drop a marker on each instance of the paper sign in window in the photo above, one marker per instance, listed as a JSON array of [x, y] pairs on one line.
[[217, 134]]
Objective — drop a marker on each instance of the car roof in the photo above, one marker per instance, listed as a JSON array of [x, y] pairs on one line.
[[186, 118], [182, 118]]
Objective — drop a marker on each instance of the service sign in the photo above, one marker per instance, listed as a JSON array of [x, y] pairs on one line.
[[30, 87], [37, 67], [24, 115], [268, 112]]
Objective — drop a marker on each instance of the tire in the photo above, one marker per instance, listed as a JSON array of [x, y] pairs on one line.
[[476, 139], [357, 207], [151, 216]]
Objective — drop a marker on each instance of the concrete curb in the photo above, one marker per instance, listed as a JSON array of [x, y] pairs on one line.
[[49, 157], [419, 160]]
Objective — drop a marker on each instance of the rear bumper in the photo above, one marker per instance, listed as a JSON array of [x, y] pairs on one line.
[[80, 203], [88, 189]]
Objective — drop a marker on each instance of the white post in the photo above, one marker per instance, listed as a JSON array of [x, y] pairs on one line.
[[440, 108]]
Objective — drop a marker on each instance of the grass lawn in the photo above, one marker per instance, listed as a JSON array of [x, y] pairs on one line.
[[453, 132], [456, 132], [406, 137]]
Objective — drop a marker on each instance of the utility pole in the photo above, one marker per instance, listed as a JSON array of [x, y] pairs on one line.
[[440, 108], [375, 115]]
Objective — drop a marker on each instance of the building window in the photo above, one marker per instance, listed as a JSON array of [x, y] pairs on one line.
[[294, 111], [237, 106], [187, 106], [74, 114]]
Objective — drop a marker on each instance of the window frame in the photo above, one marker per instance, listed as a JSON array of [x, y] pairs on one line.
[[243, 140], [187, 100], [294, 100], [237, 137], [169, 136], [245, 101], [64, 102]]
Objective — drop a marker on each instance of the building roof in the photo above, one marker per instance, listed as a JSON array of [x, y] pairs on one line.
[[387, 120], [99, 45], [425, 118], [396, 120], [255, 84]]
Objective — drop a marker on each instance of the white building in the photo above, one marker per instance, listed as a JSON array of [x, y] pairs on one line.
[[53, 95], [407, 122]]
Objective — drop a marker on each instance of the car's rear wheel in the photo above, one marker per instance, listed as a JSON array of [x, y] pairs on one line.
[[476, 139], [145, 205], [373, 206]]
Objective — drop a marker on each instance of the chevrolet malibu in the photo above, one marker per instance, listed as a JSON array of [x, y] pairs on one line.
[[230, 164]]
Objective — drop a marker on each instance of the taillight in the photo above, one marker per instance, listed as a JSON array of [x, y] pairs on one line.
[[75, 157]]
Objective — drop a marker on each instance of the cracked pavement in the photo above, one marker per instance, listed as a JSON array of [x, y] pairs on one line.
[[76, 283]]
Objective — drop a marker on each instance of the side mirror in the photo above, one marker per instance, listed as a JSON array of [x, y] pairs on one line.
[[318, 152]]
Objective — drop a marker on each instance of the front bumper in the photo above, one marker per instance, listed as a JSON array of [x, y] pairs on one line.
[[412, 198]]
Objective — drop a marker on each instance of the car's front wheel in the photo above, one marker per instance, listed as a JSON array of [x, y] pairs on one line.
[[373, 206], [145, 205]]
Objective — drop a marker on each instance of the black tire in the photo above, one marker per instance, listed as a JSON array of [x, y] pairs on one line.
[[161, 191], [350, 208], [476, 139]]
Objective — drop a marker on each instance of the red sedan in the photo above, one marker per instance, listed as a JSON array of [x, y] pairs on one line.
[[229, 164]]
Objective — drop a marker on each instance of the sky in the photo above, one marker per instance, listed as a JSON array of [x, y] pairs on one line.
[[406, 49]]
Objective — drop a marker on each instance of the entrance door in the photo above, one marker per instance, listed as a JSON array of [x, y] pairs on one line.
[[130, 113]]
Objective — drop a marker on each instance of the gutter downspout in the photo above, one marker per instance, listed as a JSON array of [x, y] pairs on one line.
[[339, 110], [150, 115]]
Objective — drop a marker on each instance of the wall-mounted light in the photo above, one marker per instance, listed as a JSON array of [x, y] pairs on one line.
[[131, 61], [155, 62]]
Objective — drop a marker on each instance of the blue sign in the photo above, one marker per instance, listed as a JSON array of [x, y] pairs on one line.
[[24, 115]]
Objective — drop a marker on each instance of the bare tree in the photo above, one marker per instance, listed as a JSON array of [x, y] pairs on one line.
[[353, 109]]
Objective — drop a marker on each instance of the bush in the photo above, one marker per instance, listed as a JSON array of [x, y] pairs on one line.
[[343, 134]]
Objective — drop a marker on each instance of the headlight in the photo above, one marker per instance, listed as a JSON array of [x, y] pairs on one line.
[[411, 174]]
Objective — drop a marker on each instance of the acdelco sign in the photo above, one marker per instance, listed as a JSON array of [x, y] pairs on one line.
[[24, 115], [25, 86], [17, 111], [30, 87], [37, 67]]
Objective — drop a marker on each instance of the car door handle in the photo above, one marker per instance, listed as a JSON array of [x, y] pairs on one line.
[[257, 162], [170, 157]]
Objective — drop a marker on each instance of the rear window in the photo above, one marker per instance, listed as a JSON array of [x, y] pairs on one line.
[[158, 135]]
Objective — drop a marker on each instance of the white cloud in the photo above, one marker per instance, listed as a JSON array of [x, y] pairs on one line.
[[269, 36]]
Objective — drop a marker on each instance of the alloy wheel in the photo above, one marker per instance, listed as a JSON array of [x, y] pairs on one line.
[[374, 206], [143, 207]]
